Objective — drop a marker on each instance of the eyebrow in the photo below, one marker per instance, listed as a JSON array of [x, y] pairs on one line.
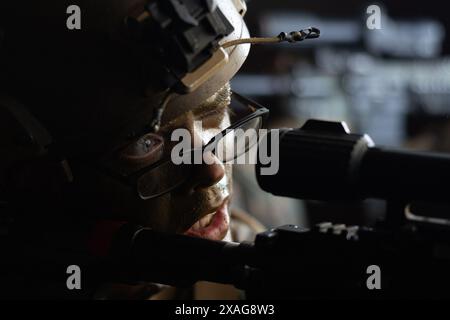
[[213, 105]]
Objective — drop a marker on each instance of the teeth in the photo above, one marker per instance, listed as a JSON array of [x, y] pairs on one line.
[[206, 220], [203, 222], [196, 226]]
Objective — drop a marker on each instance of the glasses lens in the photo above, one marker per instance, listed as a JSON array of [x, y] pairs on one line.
[[232, 145], [239, 108], [162, 179], [238, 141]]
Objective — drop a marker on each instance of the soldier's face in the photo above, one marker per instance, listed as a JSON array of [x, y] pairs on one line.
[[199, 207]]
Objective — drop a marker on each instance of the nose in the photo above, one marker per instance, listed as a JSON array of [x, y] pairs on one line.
[[210, 172]]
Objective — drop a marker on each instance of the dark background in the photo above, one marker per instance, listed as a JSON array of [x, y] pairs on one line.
[[398, 97]]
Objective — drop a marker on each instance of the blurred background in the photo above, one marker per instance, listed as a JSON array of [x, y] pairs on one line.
[[392, 83]]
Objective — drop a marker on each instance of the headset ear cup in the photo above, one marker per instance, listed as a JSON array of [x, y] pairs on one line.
[[40, 176], [26, 164]]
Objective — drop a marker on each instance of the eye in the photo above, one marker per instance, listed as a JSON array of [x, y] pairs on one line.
[[146, 150]]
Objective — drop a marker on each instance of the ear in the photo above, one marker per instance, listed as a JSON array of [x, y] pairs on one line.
[[26, 162], [22, 135]]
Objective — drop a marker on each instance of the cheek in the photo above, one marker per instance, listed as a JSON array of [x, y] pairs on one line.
[[156, 213]]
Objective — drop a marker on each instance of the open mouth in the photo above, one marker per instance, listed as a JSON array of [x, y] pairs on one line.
[[213, 226]]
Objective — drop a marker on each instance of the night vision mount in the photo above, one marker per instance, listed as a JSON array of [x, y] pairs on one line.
[[184, 35], [186, 38]]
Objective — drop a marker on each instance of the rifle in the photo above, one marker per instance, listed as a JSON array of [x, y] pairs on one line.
[[406, 255]]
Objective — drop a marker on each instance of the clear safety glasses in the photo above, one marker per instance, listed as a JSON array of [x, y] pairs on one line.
[[166, 174]]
